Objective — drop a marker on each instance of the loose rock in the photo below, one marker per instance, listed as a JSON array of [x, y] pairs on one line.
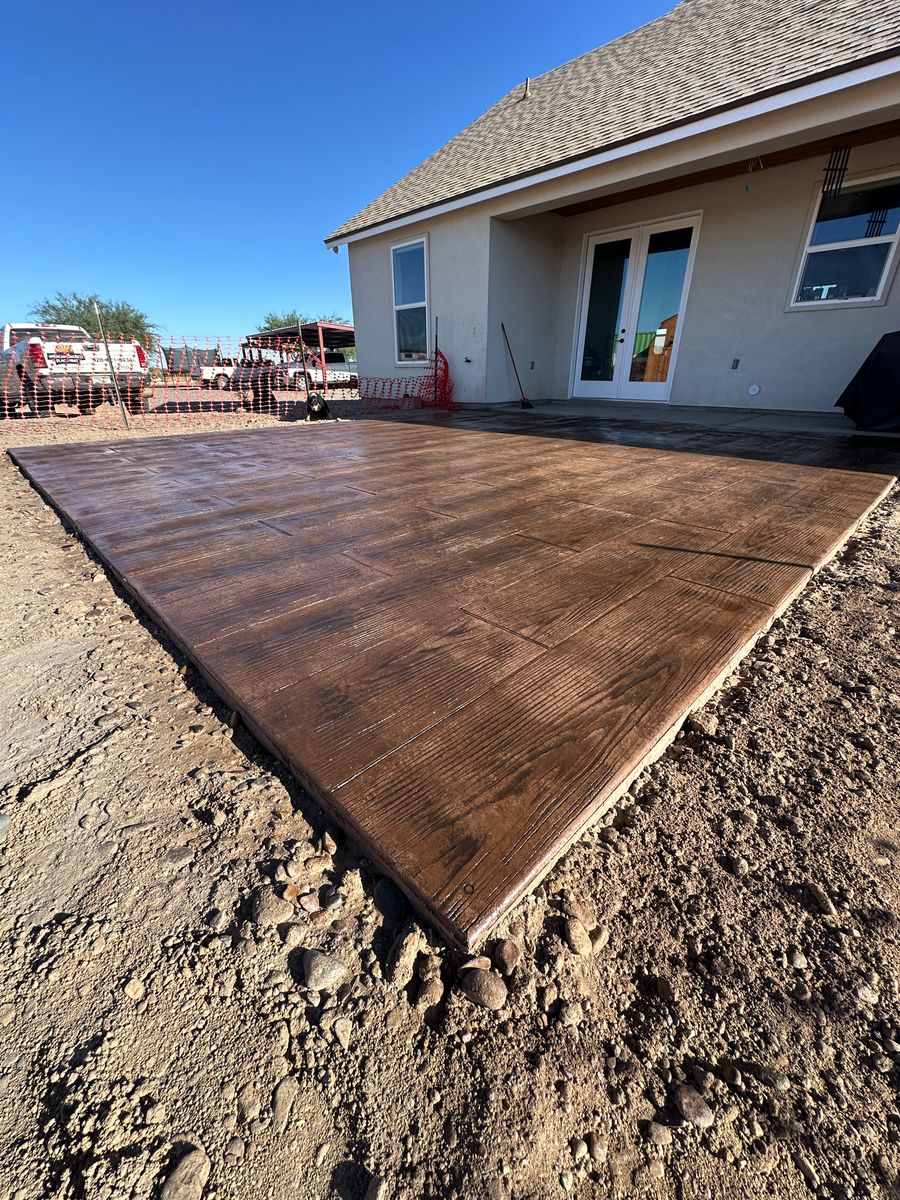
[[268, 909], [248, 1103], [821, 897], [135, 989], [806, 1169], [703, 722], [598, 1146], [430, 993], [599, 938], [484, 988], [577, 937], [282, 1101], [659, 1135], [478, 962], [693, 1107], [188, 1177], [322, 972], [507, 954], [235, 1150], [570, 1014], [401, 962]]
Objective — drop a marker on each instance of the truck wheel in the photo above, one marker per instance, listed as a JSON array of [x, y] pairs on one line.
[[220, 383], [40, 405], [134, 401]]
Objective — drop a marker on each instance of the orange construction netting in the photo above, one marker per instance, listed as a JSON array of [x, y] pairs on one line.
[[70, 376]]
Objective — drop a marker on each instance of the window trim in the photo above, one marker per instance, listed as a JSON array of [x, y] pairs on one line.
[[421, 240], [890, 266]]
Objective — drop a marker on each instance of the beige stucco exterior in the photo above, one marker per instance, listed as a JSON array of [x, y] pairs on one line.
[[509, 259], [752, 231]]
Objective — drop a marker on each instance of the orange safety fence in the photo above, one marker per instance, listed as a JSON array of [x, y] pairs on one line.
[[432, 389], [69, 374]]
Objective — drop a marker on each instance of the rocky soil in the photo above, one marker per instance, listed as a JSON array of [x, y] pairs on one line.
[[205, 991]]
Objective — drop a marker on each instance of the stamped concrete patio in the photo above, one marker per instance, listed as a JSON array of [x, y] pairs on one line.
[[464, 636]]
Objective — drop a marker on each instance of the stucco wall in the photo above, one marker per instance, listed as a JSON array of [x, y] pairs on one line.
[[526, 271], [473, 262], [526, 257], [752, 230], [458, 265]]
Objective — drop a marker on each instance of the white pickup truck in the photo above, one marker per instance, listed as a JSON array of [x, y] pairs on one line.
[[215, 374], [342, 371], [43, 364]]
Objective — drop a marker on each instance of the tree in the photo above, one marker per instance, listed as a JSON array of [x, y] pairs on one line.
[[279, 320], [120, 319]]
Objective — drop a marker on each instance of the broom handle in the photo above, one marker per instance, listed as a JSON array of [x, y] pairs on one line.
[[513, 361]]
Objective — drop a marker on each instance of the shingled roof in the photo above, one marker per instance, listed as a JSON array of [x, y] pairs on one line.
[[702, 57]]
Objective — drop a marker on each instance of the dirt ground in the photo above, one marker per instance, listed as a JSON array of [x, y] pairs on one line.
[[701, 1000]]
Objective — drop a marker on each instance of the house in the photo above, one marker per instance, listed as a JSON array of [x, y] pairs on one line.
[[705, 211]]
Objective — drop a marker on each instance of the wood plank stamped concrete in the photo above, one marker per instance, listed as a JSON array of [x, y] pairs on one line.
[[465, 643]]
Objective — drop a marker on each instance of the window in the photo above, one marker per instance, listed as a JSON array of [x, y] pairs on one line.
[[851, 245], [410, 303]]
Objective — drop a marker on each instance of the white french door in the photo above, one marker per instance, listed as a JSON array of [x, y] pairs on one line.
[[633, 297]]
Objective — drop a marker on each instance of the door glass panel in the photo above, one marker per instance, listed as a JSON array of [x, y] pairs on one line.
[[609, 274], [667, 259]]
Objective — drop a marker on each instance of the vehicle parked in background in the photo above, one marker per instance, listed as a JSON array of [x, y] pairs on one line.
[[256, 376], [43, 364], [216, 374], [341, 371]]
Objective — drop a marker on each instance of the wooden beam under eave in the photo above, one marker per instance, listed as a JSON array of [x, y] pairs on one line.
[[741, 166]]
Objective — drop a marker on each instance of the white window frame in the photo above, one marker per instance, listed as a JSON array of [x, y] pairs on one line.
[[421, 240], [890, 266]]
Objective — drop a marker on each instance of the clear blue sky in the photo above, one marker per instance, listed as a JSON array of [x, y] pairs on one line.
[[166, 153]]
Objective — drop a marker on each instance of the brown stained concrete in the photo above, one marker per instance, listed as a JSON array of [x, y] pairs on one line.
[[465, 636]]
